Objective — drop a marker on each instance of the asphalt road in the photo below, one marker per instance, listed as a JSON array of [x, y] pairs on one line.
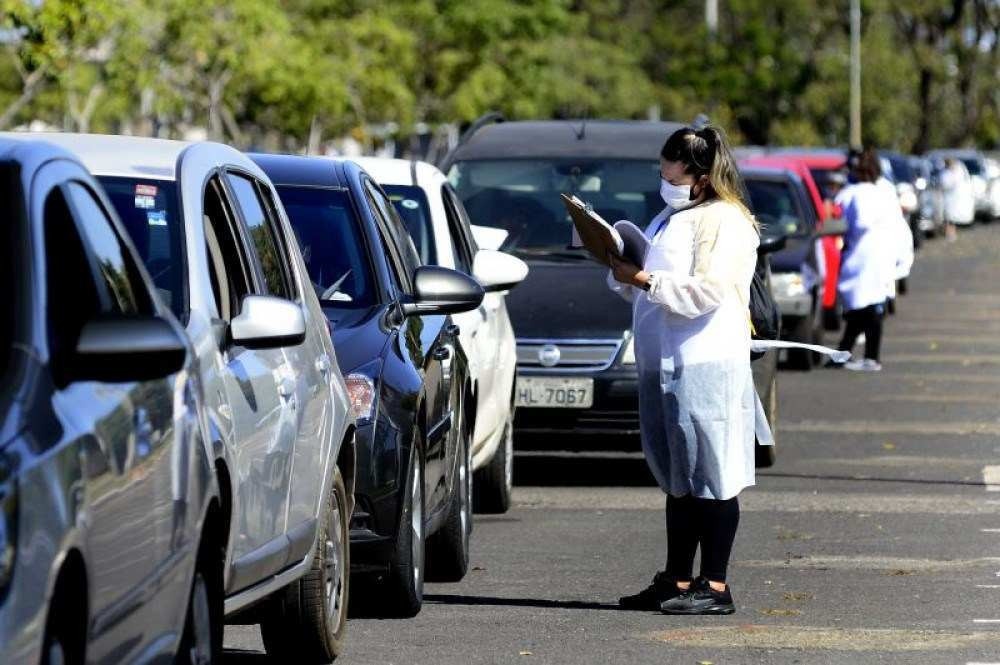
[[875, 538]]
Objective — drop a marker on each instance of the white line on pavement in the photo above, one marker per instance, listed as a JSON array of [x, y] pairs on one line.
[[986, 621], [990, 530], [988, 586], [991, 477]]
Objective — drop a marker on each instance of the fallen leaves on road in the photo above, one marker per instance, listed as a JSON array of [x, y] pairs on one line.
[[779, 612], [797, 596], [526, 653]]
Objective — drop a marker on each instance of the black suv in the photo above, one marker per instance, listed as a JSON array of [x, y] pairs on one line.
[[576, 366]]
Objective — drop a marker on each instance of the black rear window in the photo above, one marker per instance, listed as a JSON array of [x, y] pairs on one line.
[[332, 244], [776, 207], [150, 211]]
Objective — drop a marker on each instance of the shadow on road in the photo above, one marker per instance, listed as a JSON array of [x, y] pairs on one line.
[[571, 470], [447, 599], [241, 657]]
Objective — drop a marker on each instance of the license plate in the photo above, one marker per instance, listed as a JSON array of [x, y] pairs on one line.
[[533, 391]]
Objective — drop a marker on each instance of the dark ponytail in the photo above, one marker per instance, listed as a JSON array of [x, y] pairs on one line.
[[705, 152]]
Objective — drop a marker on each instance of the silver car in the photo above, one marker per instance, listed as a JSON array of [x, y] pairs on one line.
[[218, 245], [110, 516]]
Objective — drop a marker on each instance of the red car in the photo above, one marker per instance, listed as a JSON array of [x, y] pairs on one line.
[[815, 170]]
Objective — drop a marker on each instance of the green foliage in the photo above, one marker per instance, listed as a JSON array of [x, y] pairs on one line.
[[287, 74]]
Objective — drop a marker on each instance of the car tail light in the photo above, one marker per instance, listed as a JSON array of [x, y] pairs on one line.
[[361, 391]]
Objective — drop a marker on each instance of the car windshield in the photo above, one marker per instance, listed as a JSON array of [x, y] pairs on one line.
[[150, 212], [411, 204], [332, 244], [902, 170], [973, 165], [521, 196], [823, 178], [775, 205]]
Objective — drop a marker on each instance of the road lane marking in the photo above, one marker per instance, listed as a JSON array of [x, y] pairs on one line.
[[939, 399], [988, 586], [892, 427], [991, 477], [990, 530], [964, 359], [816, 638], [986, 621]]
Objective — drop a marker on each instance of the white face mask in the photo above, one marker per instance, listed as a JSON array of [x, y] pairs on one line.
[[675, 196]]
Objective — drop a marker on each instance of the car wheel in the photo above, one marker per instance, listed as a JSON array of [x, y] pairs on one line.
[[448, 549], [494, 483], [308, 619], [201, 643], [766, 456], [404, 587]]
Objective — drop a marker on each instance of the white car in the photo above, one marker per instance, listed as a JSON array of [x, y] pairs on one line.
[[217, 243], [443, 235]]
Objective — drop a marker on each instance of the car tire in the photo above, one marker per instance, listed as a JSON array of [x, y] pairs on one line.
[[493, 488], [448, 549], [403, 589], [201, 642], [766, 456], [307, 621], [65, 638]]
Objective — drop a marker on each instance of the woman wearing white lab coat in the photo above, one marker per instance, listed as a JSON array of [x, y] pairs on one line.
[[692, 342], [959, 196], [868, 260]]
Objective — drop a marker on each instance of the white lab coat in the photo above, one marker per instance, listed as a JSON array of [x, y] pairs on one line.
[[959, 197], [698, 410], [903, 234], [871, 247]]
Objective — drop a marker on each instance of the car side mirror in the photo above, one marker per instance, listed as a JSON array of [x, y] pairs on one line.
[[498, 271], [440, 290], [771, 244], [833, 227], [128, 349], [266, 322], [487, 237]]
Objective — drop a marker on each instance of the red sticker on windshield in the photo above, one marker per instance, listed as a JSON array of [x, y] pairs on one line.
[[145, 190]]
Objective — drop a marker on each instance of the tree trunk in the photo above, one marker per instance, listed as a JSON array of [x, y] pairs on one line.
[[32, 86], [926, 115]]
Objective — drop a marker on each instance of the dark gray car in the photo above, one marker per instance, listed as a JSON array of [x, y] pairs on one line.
[[110, 544]]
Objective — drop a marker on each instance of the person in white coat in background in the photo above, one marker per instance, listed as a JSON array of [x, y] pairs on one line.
[[868, 260], [902, 239], [959, 196], [692, 340]]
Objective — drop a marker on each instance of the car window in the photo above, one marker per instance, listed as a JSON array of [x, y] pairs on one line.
[[262, 235], [228, 267], [411, 204], [776, 207], [332, 244], [521, 196], [123, 288], [397, 229], [401, 276], [150, 212], [456, 233], [274, 223], [67, 273]]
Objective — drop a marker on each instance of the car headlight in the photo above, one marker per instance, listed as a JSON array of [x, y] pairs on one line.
[[788, 284], [8, 521], [361, 391], [628, 353]]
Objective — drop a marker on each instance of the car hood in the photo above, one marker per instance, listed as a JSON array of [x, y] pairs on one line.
[[793, 256], [567, 299], [359, 335]]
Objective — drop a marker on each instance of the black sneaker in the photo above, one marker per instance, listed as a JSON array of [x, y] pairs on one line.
[[700, 599], [652, 597]]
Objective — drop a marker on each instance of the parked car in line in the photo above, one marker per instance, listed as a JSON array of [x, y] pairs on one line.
[[576, 363], [443, 235], [828, 261], [993, 186], [930, 215], [406, 371], [899, 170], [110, 516], [828, 170], [975, 163], [213, 234], [782, 205]]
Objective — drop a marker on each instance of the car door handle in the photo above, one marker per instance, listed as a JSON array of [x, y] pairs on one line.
[[442, 353], [453, 330]]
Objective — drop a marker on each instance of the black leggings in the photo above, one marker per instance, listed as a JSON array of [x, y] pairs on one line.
[[867, 321], [711, 523]]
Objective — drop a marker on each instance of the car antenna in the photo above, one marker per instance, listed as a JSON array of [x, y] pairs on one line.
[[582, 132]]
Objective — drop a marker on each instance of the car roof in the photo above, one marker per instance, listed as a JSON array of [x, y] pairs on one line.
[[775, 173], [301, 170], [391, 171], [609, 139], [131, 156], [29, 151]]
